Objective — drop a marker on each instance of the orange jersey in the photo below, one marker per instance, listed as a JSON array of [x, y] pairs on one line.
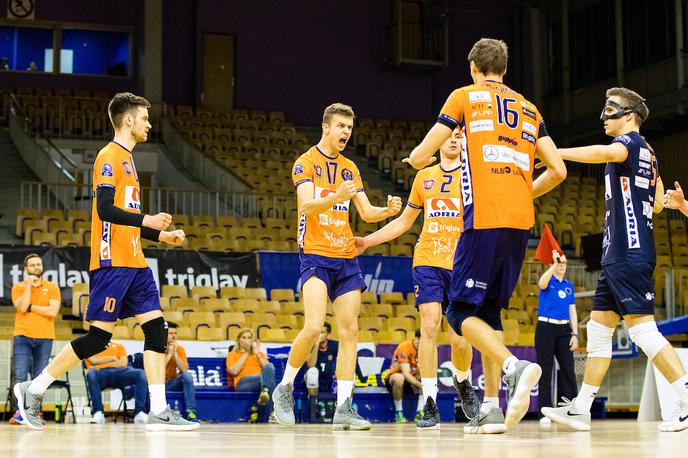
[[405, 353], [435, 190], [113, 349], [171, 368], [328, 233], [501, 129], [32, 324], [113, 245], [252, 365]]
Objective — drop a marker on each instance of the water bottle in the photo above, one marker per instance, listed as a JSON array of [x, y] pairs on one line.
[[254, 414], [322, 409], [58, 412]]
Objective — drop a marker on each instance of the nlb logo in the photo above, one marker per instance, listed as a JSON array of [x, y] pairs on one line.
[[447, 207]]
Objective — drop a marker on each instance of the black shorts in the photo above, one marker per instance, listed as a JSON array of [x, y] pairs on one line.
[[626, 288]]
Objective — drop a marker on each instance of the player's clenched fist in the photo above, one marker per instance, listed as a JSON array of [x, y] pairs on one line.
[[175, 238], [159, 222], [346, 191], [393, 205]]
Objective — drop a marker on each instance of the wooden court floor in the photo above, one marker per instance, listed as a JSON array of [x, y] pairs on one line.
[[608, 438]]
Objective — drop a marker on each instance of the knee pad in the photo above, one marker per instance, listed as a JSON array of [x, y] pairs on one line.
[[599, 340], [155, 335], [457, 312], [92, 343], [312, 378], [648, 338]]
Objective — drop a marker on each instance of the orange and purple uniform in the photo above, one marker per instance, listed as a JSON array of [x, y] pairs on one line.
[[326, 241]]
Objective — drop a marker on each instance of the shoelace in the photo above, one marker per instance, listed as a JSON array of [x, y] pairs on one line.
[[285, 399], [35, 406]]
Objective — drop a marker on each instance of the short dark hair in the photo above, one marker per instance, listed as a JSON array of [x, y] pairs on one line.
[[30, 256], [490, 56], [418, 333], [172, 325], [337, 109], [328, 326], [122, 103], [631, 100]]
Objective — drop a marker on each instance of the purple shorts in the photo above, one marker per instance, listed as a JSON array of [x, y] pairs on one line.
[[487, 265], [340, 275], [121, 292], [431, 284]]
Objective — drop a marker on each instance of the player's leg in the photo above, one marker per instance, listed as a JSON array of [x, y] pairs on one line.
[[430, 322], [315, 294], [462, 357], [395, 384]]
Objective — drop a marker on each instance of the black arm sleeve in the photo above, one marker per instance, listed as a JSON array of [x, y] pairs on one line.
[[107, 211], [150, 234]]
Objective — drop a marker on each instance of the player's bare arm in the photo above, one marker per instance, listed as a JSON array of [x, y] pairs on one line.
[[406, 372], [372, 214], [658, 205], [48, 311], [674, 199], [312, 206], [424, 154], [595, 154], [390, 231], [556, 169]]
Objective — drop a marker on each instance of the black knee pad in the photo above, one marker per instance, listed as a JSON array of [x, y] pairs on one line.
[[457, 312], [92, 343], [155, 335]]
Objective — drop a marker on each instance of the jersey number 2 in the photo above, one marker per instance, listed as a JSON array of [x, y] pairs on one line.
[[446, 182]]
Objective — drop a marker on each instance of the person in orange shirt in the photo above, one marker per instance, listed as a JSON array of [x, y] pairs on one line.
[[504, 133], [433, 258], [121, 284], [250, 369], [177, 376], [326, 184], [37, 302], [108, 369], [404, 377]]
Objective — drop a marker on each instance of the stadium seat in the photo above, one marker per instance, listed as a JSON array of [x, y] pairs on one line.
[[201, 292], [78, 289], [209, 334], [282, 295], [173, 291], [368, 323], [185, 304], [200, 319], [401, 324], [185, 333], [274, 336], [175, 317], [273, 307], [216, 305], [245, 305], [287, 322], [233, 292], [256, 293], [293, 308], [392, 298], [368, 297]]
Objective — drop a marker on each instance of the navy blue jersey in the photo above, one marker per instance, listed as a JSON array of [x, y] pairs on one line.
[[629, 199]]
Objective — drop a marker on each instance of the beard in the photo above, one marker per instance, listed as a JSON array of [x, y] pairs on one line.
[[38, 273]]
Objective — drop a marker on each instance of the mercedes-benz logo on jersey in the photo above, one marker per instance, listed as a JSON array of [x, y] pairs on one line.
[[491, 153], [347, 175], [470, 283]]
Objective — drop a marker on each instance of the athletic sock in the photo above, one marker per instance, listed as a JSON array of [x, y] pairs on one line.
[[509, 365], [681, 388], [344, 390], [489, 403], [429, 387], [41, 383], [398, 406], [289, 375], [586, 395], [461, 375], [421, 402], [158, 402]]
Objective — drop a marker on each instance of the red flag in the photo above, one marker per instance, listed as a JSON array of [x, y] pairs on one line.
[[547, 244]]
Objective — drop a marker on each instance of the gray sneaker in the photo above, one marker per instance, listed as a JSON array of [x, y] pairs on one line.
[[29, 405], [490, 422], [520, 383], [284, 404], [567, 415], [169, 420], [346, 418], [470, 404], [431, 416]]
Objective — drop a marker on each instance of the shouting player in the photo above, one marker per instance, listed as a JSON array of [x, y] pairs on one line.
[[625, 287], [326, 182], [122, 284], [434, 191], [504, 132]]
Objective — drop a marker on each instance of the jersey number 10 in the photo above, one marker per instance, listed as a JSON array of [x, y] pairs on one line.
[[109, 304]]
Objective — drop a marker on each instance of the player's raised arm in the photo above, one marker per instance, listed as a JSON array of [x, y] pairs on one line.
[[372, 214], [674, 199], [595, 154], [390, 231], [424, 154], [556, 169]]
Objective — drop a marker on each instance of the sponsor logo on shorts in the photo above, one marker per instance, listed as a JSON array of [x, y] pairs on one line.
[[631, 221], [298, 169], [501, 153], [649, 296], [528, 127], [479, 96], [447, 207], [106, 170], [470, 283], [481, 125]]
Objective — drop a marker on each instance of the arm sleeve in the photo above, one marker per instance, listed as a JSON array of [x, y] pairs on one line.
[[415, 200], [302, 171], [105, 198], [542, 130], [452, 111], [150, 234]]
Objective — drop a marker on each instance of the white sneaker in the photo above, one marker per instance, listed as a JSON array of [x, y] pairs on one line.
[[679, 420], [545, 422], [98, 418], [141, 418], [568, 415]]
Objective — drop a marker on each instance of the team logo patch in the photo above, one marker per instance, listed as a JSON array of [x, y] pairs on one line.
[[561, 294], [126, 167], [298, 169], [347, 175], [318, 171], [106, 171], [428, 184]]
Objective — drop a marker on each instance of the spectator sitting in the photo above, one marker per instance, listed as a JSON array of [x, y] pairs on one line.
[[250, 368], [108, 369], [176, 360], [404, 377], [322, 363]]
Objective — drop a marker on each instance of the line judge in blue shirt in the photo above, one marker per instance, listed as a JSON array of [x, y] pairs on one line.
[[556, 333]]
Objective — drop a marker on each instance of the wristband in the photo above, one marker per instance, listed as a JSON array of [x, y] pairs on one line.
[[574, 334], [28, 308]]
